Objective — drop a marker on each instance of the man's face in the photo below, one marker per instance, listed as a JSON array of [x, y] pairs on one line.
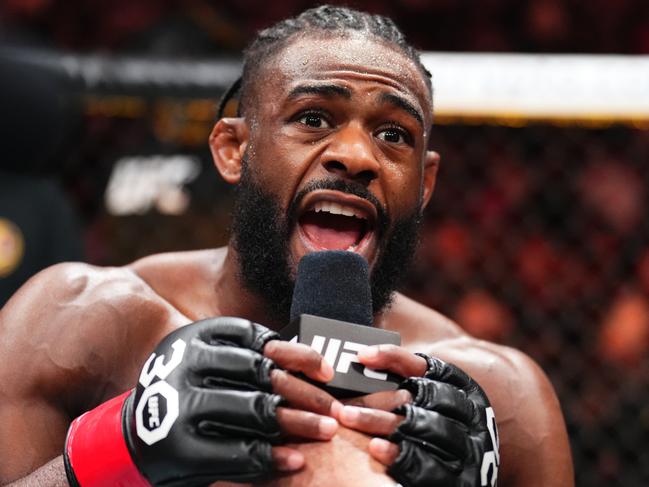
[[337, 148]]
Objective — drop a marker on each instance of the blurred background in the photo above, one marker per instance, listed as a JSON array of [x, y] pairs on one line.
[[534, 238]]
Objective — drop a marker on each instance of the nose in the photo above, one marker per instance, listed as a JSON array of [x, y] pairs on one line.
[[349, 155]]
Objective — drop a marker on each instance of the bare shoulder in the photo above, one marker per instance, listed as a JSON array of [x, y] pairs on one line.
[[197, 264], [426, 330], [534, 446], [418, 324], [500, 369], [73, 324], [185, 279], [533, 439]]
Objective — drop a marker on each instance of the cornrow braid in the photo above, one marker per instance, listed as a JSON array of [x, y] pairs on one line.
[[326, 18], [229, 94]]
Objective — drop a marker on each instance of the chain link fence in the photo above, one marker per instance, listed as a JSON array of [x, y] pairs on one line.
[[536, 238]]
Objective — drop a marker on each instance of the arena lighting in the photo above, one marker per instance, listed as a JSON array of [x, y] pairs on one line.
[[510, 89], [138, 183], [558, 88], [128, 75]]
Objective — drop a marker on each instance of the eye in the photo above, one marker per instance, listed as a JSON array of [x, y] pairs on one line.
[[314, 119], [394, 135]]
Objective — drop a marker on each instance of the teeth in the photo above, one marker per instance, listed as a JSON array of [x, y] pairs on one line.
[[337, 209]]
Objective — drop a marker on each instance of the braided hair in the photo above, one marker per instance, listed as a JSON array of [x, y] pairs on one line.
[[324, 19]]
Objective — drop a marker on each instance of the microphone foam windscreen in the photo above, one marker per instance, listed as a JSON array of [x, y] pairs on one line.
[[333, 284]]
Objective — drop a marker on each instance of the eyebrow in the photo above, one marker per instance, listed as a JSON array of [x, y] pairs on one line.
[[404, 104], [332, 90], [323, 90]]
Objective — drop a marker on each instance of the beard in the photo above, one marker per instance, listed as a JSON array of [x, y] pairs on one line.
[[261, 233]]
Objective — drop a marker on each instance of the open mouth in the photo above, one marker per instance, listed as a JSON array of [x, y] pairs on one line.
[[337, 222], [333, 226]]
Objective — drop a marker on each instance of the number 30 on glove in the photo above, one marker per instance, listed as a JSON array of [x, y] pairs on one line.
[[203, 411]]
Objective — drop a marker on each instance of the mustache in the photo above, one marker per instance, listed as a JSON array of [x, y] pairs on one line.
[[344, 186]]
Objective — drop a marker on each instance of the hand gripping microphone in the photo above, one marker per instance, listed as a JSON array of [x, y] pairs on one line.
[[331, 311]]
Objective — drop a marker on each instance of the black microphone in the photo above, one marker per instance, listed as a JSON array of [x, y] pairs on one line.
[[331, 311]]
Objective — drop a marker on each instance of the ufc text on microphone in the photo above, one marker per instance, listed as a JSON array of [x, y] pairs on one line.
[[331, 312]]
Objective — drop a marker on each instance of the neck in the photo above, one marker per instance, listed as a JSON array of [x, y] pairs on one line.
[[233, 296]]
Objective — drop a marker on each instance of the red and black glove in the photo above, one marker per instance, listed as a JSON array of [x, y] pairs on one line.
[[203, 410]]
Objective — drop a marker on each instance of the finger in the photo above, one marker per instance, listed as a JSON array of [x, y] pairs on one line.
[[287, 459], [303, 424], [393, 358], [437, 396], [445, 372], [214, 366], [302, 395], [299, 357], [371, 421], [384, 400], [434, 431], [384, 451], [249, 413]]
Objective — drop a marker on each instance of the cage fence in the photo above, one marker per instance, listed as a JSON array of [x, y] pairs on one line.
[[535, 238]]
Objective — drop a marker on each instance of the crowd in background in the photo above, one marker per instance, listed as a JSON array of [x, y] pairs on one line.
[[534, 238], [199, 27]]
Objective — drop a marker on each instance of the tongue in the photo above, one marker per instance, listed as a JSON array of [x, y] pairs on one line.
[[332, 232]]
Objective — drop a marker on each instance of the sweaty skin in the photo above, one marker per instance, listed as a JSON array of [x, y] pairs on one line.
[[76, 335]]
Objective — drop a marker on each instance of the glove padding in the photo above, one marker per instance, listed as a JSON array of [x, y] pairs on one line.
[[203, 409], [448, 437]]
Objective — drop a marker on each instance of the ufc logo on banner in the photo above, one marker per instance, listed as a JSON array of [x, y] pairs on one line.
[[341, 354]]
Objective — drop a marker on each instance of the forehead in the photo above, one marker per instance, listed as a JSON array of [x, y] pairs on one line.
[[354, 58]]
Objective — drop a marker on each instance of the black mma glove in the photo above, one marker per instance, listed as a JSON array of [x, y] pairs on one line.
[[202, 411], [448, 437]]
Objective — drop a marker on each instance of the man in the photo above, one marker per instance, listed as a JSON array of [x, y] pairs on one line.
[[330, 152]]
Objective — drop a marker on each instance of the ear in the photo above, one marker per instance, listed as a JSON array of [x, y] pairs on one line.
[[228, 142], [431, 164]]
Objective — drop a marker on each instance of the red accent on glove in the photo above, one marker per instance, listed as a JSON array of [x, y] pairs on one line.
[[97, 450]]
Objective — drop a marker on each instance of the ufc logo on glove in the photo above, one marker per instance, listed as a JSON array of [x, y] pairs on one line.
[[160, 398]]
